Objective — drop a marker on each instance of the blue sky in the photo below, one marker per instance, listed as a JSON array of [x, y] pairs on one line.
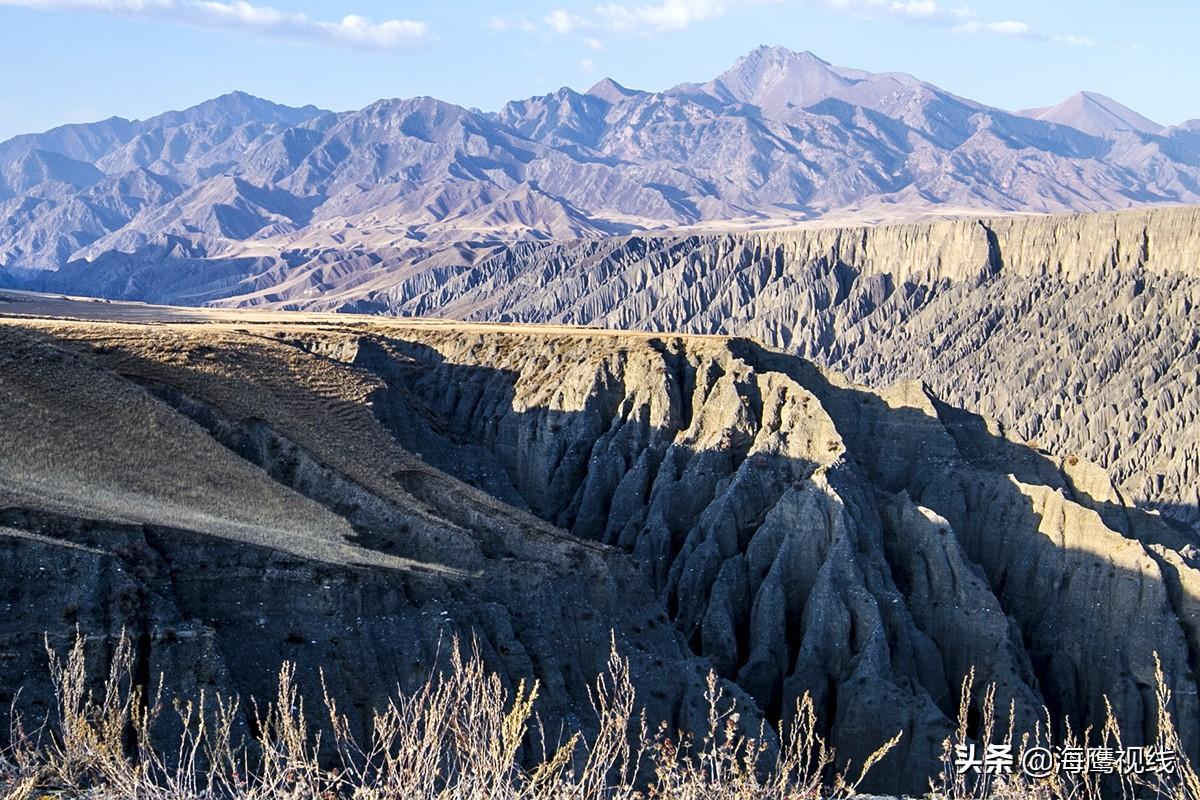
[[82, 60]]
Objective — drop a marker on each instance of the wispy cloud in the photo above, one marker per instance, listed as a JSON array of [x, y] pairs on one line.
[[924, 11], [1073, 38], [671, 15], [515, 24], [1013, 27], [351, 30], [1006, 27], [562, 21], [958, 19], [659, 16]]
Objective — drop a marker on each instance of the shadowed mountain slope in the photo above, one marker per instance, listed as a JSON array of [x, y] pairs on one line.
[[344, 491], [226, 496]]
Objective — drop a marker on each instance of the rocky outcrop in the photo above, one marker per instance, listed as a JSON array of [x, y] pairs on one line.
[[810, 536], [230, 503], [349, 494], [1077, 333]]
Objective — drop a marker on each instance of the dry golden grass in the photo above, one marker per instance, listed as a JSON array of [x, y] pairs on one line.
[[1182, 783], [462, 736]]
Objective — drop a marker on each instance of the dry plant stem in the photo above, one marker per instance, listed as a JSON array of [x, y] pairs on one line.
[[1182, 784], [461, 736]]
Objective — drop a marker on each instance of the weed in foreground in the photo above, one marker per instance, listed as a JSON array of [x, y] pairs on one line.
[[464, 736], [460, 736], [1107, 780]]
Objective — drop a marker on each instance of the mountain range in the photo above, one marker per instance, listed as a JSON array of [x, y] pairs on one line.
[[235, 197]]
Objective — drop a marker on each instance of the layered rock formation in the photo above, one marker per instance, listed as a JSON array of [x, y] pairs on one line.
[[811, 536], [228, 500], [345, 492], [1077, 333]]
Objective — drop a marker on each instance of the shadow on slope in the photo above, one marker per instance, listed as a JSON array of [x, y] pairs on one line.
[[901, 544], [801, 534], [214, 612]]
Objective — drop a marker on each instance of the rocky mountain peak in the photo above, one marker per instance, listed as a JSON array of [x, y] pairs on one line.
[[776, 78], [235, 108], [1096, 114], [765, 141], [611, 91]]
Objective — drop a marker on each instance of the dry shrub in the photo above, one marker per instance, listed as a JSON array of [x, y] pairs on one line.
[[1181, 784], [460, 736]]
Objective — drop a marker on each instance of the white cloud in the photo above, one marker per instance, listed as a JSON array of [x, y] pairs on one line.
[[562, 21], [958, 19], [1071, 38], [506, 24], [588, 66], [658, 16], [110, 6], [351, 30], [1008, 27], [921, 9], [670, 15], [929, 11]]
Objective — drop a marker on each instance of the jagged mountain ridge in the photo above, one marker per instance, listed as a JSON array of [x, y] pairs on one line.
[[262, 487], [781, 136], [738, 479]]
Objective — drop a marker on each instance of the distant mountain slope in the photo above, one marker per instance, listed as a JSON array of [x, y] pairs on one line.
[[1095, 114], [64, 190], [779, 137]]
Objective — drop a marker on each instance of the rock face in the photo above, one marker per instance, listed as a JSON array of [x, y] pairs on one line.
[[1076, 332], [231, 503], [344, 492], [808, 535]]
